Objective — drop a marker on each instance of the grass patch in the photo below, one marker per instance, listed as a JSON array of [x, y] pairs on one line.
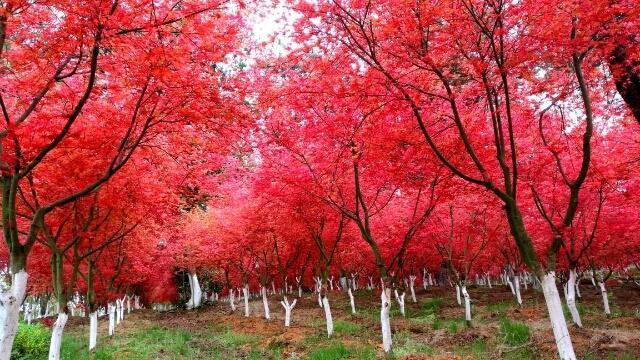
[[431, 306], [452, 326], [477, 349], [500, 307], [330, 352], [514, 333], [345, 327], [229, 338], [404, 345]]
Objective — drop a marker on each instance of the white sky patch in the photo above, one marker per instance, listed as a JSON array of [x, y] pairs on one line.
[[272, 28]]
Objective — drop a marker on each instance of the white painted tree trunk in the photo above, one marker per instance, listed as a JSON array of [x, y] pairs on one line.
[[93, 330], [508, 281], [287, 310], [232, 300], [489, 281], [319, 291], [196, 292], [265, 304], [327, 315], [556, 317], [10, 301], [458, 299], [56, 336], [122, 309], [112, 319], [571, 298], [245, 295], [128, 304], [467, 305], [412, 281], [385, 322], [273, 287], [424, 279], [516, 288], [400, 300], [299, 282], [605, 298], [352, 301]]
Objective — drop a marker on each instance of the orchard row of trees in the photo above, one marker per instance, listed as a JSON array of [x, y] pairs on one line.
[[384, 144]]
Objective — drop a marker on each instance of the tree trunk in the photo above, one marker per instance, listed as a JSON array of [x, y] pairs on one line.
[[571, 298], [265, 303], [605, 298], [458, 299], [93, 330], [10, 311], [56, 336], [556, 316], [412, 280], [351, 301], [400, 300], [467, 305], [516, 289], [232, 300], [287, 310], [385, 322], [196, 292], [112, 319], [245, 295], [327, 315]]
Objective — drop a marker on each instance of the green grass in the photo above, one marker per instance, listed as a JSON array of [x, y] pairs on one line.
[[500, 307], [514, 333], [330, 352], [477, 349], [163, 343], [431, 306], [229, 338], [404, 344], [345, 327]]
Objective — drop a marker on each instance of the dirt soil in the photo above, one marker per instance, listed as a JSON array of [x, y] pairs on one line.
[[602, 337]]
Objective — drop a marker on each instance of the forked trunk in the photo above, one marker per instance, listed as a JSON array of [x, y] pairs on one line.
[[287, 310]]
